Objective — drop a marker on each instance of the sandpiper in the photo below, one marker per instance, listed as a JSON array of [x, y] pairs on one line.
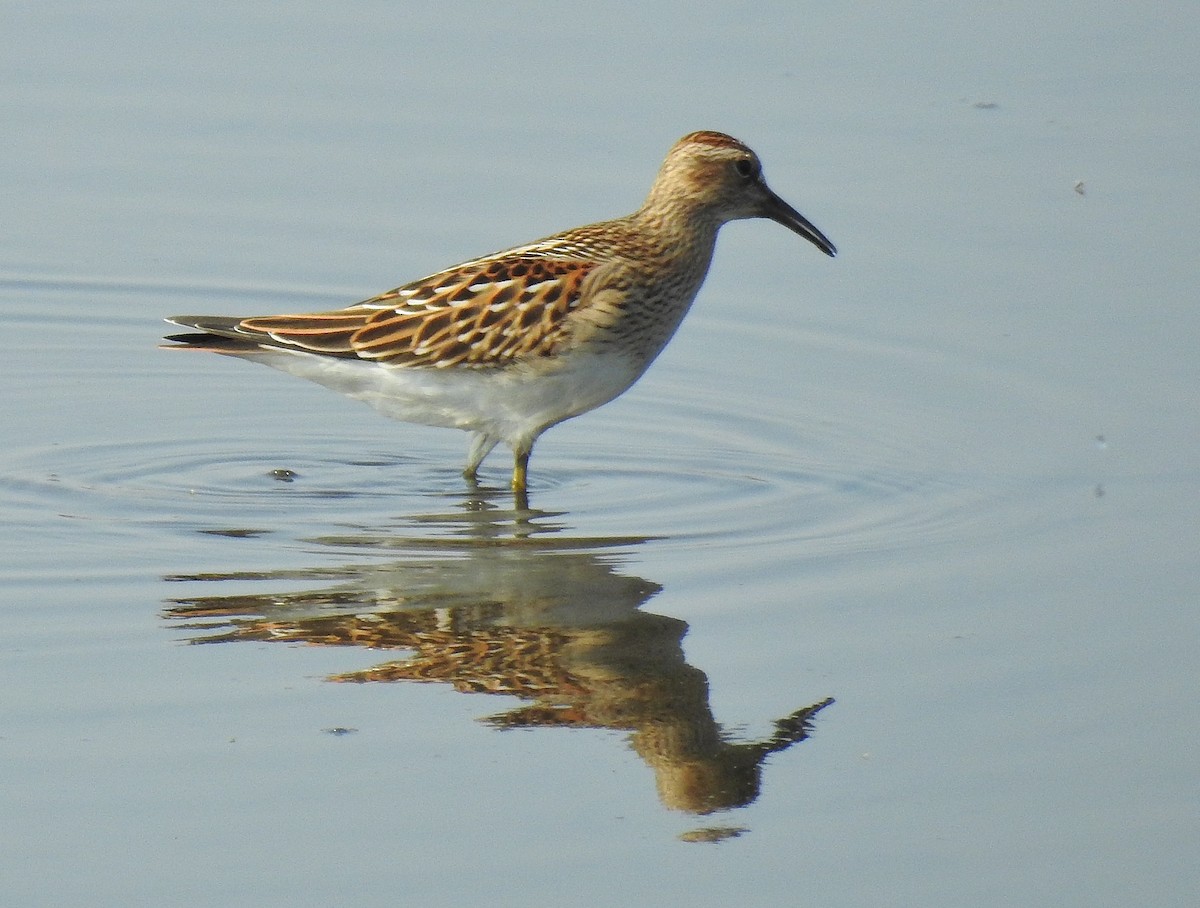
[[508, 345]]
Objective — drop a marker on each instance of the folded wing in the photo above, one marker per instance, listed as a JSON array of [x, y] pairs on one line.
[[482, 313]]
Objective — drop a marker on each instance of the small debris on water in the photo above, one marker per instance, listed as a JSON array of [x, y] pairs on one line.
[[284, 475]]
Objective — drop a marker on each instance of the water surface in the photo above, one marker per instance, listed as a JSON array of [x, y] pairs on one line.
[[879, 588]]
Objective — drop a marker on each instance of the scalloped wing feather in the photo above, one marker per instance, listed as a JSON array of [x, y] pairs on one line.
[[482, 313]]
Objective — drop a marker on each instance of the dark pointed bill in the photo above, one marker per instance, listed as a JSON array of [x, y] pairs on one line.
[[781, 212]]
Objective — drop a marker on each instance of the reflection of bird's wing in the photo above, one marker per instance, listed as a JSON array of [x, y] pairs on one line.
[[486, 312]]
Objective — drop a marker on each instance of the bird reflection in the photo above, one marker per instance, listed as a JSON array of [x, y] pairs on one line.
[[502, 602]]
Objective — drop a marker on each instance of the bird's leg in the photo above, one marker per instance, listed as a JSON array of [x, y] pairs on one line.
[[520, 469], [481, 446]]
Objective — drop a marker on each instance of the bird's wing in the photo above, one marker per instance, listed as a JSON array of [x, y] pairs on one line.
[[487, 312]]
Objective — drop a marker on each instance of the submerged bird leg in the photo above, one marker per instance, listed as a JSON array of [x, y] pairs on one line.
[[521, 501]]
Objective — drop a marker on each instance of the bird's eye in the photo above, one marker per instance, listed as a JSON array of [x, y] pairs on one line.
[[745, 168]]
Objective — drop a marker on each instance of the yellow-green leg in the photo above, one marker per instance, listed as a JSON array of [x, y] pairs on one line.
[[520, 469]]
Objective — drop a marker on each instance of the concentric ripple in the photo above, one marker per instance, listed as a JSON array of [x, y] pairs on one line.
[[703, 457], [766, 485]]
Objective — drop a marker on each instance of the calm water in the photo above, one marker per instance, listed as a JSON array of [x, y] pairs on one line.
[[880, 588]]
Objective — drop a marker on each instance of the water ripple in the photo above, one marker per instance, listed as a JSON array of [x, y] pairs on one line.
[[750, 465]]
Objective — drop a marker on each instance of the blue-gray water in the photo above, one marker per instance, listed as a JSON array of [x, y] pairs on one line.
[[948, 480]]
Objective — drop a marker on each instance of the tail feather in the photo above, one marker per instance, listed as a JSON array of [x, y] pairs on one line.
[[224, 325], [229, 334], [215, 343]]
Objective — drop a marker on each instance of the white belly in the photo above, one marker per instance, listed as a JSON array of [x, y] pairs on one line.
[[515, 403]]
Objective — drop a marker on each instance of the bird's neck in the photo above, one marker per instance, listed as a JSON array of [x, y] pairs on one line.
[[679, 235]]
